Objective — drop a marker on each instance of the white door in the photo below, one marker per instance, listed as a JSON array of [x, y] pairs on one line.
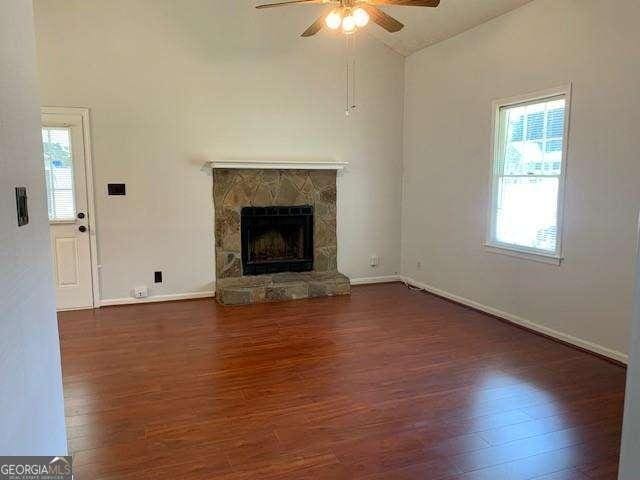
[[63, 141]]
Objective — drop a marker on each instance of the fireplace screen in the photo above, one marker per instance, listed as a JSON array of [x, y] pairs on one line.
[[277, 239]]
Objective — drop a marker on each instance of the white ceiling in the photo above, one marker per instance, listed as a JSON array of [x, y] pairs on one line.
[[423, 26], [426, 26]]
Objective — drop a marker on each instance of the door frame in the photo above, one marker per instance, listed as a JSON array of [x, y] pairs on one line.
[[84, 113]]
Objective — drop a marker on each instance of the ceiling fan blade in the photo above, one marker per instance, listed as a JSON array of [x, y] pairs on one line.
[[282, 4], [406, 3], [315, 27], [387, 22]]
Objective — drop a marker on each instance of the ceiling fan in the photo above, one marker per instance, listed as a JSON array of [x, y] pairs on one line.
[[354, 14]]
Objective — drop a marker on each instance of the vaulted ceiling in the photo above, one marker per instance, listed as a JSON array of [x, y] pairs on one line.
[[426, 26], [423, 26]]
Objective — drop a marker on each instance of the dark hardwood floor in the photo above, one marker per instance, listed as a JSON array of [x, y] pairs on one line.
[[385, 384]]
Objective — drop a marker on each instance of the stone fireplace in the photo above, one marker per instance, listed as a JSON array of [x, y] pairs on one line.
[[275, 235]]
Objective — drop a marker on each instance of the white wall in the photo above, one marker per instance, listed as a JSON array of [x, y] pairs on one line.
[[629, 458], [173, 83], [449, 89], [31, 408]]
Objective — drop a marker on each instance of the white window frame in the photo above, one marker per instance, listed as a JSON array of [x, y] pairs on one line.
[[491, 244]]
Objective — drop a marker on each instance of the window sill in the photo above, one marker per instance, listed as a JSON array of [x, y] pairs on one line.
[[550, 259]]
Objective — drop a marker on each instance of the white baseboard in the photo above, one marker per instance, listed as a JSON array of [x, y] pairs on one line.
[[368, 280], [565, 337], [106, 302]]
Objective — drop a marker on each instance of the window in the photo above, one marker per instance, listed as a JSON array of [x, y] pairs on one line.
[[528, 174], [58, 168]]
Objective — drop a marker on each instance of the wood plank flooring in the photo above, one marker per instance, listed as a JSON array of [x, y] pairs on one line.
[[386, 384]]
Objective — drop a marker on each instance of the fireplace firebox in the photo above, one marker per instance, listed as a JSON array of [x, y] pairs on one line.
[[276, 239]]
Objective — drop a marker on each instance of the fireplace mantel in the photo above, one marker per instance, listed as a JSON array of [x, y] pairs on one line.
[[276, 165]]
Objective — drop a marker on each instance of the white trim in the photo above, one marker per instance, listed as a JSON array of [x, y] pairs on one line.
[[62, 222], [565, 337], [511, 251], [91, 204], [276, 165], [497, 105], [533, 96], [370, 280], [156, 298]]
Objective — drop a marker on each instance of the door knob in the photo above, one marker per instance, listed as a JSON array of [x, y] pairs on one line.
[[81, 215], [82, 228]]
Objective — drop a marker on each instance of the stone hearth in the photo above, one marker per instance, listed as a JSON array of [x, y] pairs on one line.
[[234, 189], [280, 286]]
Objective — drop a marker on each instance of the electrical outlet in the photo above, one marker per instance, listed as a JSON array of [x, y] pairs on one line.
[[374, 260], [418, 264], [140, 292]]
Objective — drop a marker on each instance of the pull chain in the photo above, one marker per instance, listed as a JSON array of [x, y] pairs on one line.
[[353, 84], [351, 75], [347, 109]]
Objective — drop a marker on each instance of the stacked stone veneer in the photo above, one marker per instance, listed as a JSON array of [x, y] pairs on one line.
[[234, 189]]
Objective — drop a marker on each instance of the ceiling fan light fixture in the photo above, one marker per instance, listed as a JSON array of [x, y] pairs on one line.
[[349, 24], [361, 17], [334, 20]]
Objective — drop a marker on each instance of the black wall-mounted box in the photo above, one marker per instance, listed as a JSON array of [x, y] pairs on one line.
[[117, 189], [22, 208]]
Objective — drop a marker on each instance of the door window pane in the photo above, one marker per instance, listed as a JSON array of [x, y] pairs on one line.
[[58, 168]]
